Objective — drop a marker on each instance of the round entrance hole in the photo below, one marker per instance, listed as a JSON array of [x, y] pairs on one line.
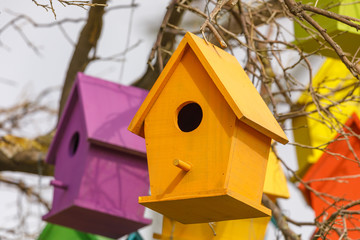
[[74, 143], [189, 117]]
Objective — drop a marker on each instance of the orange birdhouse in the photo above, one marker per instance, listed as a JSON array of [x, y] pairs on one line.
[[334, 181], [208, 134]]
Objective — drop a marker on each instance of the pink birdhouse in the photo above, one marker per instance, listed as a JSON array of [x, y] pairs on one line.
[[100, 167]]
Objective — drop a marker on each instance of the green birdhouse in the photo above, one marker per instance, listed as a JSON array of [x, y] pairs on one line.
[[345, 36], [57, 232]]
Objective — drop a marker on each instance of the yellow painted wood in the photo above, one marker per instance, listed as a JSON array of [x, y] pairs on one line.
[[246, 229], [220, 161], [249, 154], [207, 206], [275, 185], [207, 148], [253, 229], [237, 89], [137, 123], [182, 165], [311, 130], [230, 79]]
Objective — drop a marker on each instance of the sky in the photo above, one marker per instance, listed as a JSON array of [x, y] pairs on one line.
[[24, 73]]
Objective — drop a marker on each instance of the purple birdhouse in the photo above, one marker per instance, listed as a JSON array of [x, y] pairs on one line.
[[100, 167]]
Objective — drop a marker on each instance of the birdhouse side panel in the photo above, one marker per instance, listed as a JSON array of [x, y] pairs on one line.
[[191, 122], [70, 157], [248, 162], [112, 182]]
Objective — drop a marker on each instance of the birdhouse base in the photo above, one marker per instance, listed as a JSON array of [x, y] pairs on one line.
[[80, 217], [203, 208]]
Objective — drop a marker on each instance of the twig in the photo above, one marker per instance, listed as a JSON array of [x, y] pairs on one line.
[[25, 189]]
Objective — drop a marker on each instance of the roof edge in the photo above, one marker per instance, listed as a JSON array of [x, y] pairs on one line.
[[202, 58], [282, 138], [136, 125], [50, 158], [100, 143]]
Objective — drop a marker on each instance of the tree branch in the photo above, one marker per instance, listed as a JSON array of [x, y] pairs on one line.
[[280, 219], [164, 43], [23, 155], [88, 39]]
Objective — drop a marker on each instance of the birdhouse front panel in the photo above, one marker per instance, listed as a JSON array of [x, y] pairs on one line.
[[310, 40], [98, 175], [339, 166], [70, 157], [187, 122], [208, 135]]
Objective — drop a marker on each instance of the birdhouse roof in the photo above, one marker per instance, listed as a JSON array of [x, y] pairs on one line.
[[230, 79], [330, 165], [107, 109], [333, 80]]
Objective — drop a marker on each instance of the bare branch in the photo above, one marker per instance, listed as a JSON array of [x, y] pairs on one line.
[[88, 40]]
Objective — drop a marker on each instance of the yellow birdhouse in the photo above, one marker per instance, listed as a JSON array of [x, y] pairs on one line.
[[334, 82], [208, 134], [250, 229], [275, 185]]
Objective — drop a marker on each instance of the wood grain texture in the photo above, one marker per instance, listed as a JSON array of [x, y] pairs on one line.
[[249, 154], [202, 194], [206, 148], [206, 207], [229, 78]]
